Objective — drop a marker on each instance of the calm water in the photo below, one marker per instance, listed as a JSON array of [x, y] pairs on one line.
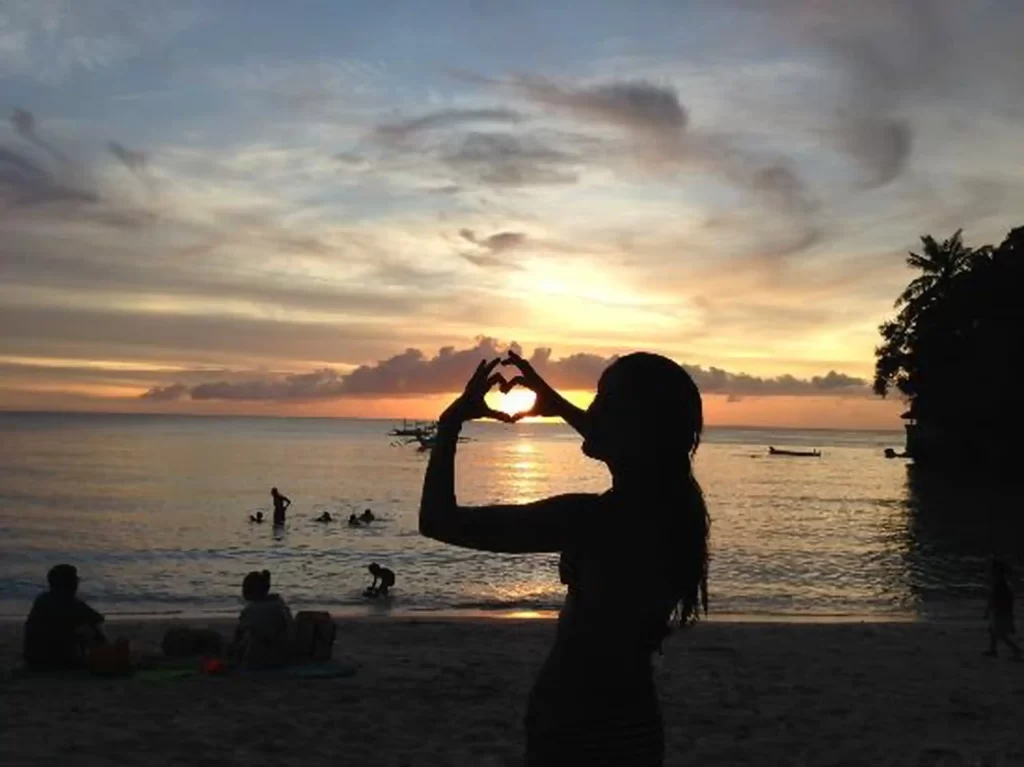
[[154, 512]]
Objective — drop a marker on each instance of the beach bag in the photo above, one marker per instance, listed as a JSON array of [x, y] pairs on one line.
[[110, 659], [314, 636], [185, 642]]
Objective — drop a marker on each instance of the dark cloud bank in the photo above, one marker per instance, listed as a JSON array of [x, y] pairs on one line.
[[413, 373]]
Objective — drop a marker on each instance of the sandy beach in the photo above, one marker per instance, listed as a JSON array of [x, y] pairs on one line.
[[452, 692]]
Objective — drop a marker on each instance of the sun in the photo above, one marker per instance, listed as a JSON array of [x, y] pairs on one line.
[[515, 401]]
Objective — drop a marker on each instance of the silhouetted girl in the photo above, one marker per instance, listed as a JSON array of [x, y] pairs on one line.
[[594, 701]]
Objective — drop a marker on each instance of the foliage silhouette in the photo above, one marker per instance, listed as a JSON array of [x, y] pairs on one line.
[[950, 352]]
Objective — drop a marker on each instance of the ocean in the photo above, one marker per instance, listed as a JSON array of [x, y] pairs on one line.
[[154, 511]]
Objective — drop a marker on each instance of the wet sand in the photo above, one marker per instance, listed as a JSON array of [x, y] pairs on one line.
[[452, 692]]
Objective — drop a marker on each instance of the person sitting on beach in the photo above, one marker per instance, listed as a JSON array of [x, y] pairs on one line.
[[386, 577], [61, 628], [353, 521], [595, 699], [281, 503], [367, 516], [263, 636], [257, 517], [325, 517], [999, 611]]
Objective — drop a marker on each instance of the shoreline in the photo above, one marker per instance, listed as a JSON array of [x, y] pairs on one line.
[[374, 613]]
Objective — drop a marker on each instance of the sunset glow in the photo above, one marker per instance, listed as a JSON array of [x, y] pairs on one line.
[[338, 213]]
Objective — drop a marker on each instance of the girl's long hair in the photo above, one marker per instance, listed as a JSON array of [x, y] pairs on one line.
[[673, 406]]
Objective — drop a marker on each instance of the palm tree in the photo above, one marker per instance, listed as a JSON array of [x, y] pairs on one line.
[[951, 351], [940, 264]]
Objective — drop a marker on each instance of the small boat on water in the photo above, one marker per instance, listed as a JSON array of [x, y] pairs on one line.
[[416, 429], [795, 453]]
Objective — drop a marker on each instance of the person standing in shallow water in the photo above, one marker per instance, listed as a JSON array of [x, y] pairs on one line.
[[594, 701], [999, 612], [281, 503]]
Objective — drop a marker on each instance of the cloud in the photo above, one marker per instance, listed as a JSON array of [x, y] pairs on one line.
[[413, 373], [320, 384], [652, 110], [882, 145], [24, 124], [131, 159], [492, 245], [25, 183], [56, 38], [169, 393], [892, 56], [658, 126], [504, 160], [496, 243], [402, 130]]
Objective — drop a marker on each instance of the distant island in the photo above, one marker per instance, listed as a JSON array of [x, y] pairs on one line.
[[952, 352]]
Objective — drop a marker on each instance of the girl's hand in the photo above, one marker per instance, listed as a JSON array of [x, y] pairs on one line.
[[548, 402], [471, 405]]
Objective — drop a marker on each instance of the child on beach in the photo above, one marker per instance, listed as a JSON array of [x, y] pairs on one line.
[[386, 577], [263, 636], [61, 628], [999, 611]]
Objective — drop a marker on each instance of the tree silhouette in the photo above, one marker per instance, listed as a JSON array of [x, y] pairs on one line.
[[951, 352]]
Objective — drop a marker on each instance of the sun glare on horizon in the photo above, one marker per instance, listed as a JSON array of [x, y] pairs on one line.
[[515, 401]]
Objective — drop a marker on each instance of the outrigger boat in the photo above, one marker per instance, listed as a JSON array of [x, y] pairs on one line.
[[796, 453], [423, 433], [417, 428]]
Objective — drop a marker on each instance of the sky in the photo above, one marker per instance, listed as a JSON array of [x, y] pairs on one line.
[[324, 208]]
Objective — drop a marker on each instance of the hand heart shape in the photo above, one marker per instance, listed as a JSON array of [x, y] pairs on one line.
[[526, 394], [515, 399]]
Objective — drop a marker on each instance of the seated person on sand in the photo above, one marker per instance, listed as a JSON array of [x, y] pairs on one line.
[[353, 521], [257, 517], [387, 580], [325, 517], [61, 628], [367, 516], [263, 636]]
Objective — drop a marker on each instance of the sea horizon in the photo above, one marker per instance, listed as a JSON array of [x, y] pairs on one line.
[[897, 429]]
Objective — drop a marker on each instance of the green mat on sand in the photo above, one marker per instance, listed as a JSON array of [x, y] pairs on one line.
[[176, 673]]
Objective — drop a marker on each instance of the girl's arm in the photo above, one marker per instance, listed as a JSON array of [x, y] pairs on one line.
[[545, 525]]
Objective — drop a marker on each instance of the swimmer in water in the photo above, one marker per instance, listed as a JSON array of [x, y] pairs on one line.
[[353, 521], [386, 577], [325, 517], [367, 516], [257, 517]]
